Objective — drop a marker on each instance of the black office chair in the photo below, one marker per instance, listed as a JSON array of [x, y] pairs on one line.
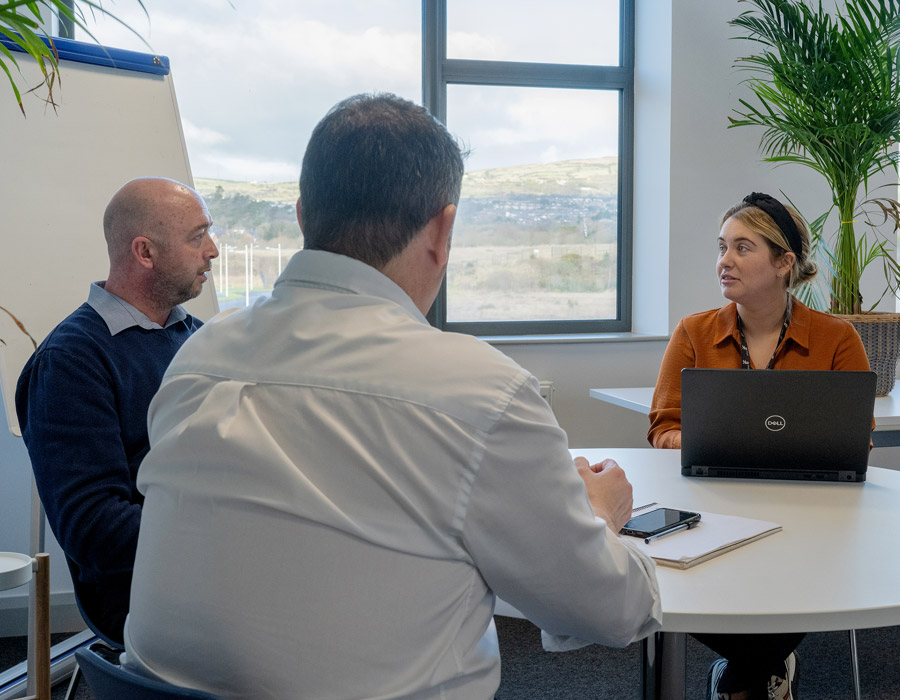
[[110, 681], [111, 644]]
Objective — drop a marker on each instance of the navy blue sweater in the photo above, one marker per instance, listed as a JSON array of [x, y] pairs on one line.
[[82, 403]]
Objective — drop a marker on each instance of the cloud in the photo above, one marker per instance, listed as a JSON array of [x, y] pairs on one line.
[[512, 126], [252, 80], [550, 154], [476, 46], [305, 51], [222, 166], [564, 31], [200, 135]]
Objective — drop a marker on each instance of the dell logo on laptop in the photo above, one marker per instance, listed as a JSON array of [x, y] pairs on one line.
[[775, 423]]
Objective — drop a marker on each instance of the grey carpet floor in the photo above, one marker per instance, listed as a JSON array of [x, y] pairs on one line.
[[600, 673]]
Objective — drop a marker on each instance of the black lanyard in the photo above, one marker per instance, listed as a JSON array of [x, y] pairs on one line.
[[745, 353]]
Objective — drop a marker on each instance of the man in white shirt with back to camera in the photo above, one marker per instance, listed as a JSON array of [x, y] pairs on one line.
[[336, 490]]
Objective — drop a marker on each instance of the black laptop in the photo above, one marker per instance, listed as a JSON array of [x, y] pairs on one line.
[[776, 424]]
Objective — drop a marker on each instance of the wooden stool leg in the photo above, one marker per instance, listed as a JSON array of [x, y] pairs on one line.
[[41, 664], [42, 624]]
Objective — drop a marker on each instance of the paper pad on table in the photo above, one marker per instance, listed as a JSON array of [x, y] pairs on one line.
[[714, 535]]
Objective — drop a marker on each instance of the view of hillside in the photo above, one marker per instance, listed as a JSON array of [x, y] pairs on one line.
[[568, 177], [275, 192], [531, 242], [590, 176], [530, 198]]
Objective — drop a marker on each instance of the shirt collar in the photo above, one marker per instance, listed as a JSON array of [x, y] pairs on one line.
[[323, 270], [797, 332], [119, 315]]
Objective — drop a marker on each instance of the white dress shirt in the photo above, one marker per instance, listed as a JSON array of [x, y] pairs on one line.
[[336, 490]]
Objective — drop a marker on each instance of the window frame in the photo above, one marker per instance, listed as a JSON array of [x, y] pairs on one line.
[[438, 71]]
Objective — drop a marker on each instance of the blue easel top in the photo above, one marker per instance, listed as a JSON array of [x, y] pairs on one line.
[[122, 59]]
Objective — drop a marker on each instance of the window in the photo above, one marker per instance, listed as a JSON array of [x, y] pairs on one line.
[[542, 242]]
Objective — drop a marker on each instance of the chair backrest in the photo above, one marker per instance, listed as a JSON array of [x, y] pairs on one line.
[[98, 633], [109, 681]]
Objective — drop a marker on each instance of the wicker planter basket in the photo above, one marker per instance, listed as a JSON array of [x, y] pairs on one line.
[[880, 333]]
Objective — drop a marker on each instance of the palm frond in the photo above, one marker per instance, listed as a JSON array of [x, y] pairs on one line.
[[24, 23], [19, 325]]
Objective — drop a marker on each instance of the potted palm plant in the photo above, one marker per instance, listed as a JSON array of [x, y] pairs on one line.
[[826, 91]]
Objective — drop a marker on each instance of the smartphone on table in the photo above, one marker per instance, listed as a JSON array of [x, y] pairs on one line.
[[659, 521]]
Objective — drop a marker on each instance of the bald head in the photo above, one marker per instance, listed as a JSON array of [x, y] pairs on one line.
[[143, 207], [160, 247]]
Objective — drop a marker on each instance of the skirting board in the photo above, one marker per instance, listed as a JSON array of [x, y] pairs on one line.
[[64, 615]]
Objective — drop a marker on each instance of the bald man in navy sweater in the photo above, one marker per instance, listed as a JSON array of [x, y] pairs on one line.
[[82, 398]]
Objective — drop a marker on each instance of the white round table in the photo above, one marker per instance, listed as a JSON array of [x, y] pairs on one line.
[[834, 566], [15, 570]]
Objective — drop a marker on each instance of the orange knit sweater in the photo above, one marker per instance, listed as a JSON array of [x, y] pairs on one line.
[[814, 340]]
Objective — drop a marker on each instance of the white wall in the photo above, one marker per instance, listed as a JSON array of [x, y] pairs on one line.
[[689, 169]]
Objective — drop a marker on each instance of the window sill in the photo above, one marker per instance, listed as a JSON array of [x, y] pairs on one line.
[[561, 339]]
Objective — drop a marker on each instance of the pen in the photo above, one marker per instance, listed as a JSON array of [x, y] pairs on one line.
[[683, 526]]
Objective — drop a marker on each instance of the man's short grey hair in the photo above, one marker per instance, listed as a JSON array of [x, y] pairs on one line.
[[377, 169]]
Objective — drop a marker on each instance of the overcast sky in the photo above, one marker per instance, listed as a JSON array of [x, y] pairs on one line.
[[253, 77]]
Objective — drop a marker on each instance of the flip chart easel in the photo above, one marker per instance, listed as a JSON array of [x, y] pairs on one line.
[[116, 118]]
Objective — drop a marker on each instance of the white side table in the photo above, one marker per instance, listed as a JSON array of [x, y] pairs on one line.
[[17, 570]]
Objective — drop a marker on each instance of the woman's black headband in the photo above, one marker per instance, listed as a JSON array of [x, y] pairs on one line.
[[781, 217]]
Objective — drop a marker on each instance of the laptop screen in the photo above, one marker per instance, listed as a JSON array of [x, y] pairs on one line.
[[776, 424]]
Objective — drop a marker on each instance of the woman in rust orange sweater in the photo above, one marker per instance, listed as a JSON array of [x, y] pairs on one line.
[[763, 254], [764, 326]]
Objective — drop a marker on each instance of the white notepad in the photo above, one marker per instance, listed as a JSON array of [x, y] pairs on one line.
[[713, 536]]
